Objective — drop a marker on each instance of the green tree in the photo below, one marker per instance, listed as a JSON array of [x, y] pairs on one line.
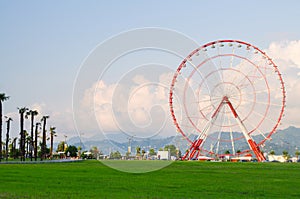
[[27, 142], [79, 148], [31, 114], [297, 153], [52, 135], [272, 152], [238, 152], [3, 98], [115, 155], [143, 153], [61, 146], [22, 112], [179, 154], [7, 135], [71, 151], [227, 152], [285, 154], [14, 152], [152, 152], [172, 149], [44, 145], [95, 152], [138, 151]]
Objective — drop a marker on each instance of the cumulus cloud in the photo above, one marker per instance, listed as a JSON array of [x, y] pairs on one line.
[[286, 55], [137, 105]]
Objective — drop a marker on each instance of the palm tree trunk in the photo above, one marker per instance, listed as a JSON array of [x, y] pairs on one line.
[[22, 134], [44, 140], [31, 135], [7, 138], [35, 141], [51, 145]]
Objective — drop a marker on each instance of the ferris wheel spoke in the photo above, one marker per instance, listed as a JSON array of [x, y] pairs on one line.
[[232, 57], [263, 103], [209, 100], [220, 64], [229, 116], [265, 117], [258, 130], [242, 63]]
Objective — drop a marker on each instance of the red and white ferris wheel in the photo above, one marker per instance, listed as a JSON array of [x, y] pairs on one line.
[[227, 97]]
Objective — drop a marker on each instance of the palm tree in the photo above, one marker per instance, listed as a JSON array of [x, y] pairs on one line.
[[52, 134], [27, 142], [22, 111], [3, 98], [14, 150], [297, 153], [138, 151], [35, 146], [44, 120], [7, 135], [31, 113]]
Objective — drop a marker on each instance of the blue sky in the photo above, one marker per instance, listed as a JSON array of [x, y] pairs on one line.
[[43, 43]]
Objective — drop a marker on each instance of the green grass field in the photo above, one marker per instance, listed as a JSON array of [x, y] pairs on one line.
[[92, 179]]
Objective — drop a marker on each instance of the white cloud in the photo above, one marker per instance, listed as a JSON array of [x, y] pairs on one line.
[[286, 55], [138, 107]]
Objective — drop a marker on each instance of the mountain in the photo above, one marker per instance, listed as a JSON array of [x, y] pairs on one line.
[[287, 139]]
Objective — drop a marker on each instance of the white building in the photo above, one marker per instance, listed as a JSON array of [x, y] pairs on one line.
[[278, 158], [163, 155]]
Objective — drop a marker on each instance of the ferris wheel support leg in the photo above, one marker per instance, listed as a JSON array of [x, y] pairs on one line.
[[252, 144], [196, 145]]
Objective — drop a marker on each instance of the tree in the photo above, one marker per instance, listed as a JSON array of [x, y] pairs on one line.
[[272, 152], [115, 155], [238, 152], [31, 113], [297, 153], [3, 98], [172, 149], [152, 152], [285, 154], [79, 148], [138, 151], [27, 142], [52, 135], [61, 147], [95, 151], [14, 151], [143, 153], [44, 146], [22, 111], [7, 135], [71, 151], [35, 146]]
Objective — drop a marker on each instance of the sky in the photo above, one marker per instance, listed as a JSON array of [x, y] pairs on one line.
[[45, 45]]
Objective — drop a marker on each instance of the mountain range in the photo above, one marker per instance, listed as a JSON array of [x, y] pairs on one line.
[[287, 139]]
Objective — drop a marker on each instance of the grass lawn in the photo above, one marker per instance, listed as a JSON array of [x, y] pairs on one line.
[[92, 179]]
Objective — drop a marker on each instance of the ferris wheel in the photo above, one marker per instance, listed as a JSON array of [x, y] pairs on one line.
[[227, 97]]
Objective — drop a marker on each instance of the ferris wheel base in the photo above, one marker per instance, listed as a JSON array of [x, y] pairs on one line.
[[193, 153]]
